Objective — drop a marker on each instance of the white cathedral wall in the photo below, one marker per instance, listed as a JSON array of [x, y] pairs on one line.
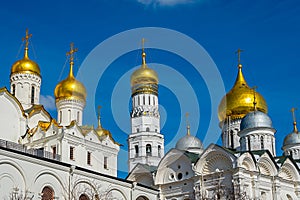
[[30, 175], [12, 123], [97, 149], [33, 120]]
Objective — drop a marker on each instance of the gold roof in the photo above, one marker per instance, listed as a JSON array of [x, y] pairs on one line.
[[70, 88], [239, 100], [25, 65], [144, 75]]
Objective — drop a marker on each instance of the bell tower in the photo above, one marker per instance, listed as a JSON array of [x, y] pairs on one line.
[[145, 143]]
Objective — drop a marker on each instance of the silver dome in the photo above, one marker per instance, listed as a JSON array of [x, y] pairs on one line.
[[189, 142], [292, 138], [256, 119]]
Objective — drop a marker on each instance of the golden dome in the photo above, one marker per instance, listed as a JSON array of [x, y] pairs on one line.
[[144, 75], [25, 65], [70, 88], [239, 100]]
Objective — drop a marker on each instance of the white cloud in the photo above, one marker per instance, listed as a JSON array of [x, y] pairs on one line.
[[166, 2], [48, 102]]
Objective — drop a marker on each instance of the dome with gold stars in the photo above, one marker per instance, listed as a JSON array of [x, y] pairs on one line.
[[25, 65], [70, 88], [239, 100]]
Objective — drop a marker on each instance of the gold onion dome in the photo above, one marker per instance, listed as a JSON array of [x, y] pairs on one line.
[[239, 100], [25, 65], [144, 75], [70, 88]]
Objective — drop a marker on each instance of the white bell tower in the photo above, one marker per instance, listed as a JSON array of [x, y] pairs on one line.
[[145, 143]]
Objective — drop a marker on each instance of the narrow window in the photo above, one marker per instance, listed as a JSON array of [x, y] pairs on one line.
[[32, 95], [137, 130], [149, 100], [138, 101], [153, 100], [249, 144], [89, 158], [69, 115], [13, 89], [159, 151], [231, 139], [105, 163], [72, 153], [262, 142], [147, 129], [136, 147], [54, 152], [148, 150], [77, 116], [60, 116], [143, 100]]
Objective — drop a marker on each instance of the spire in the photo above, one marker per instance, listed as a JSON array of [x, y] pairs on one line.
[[26, 39], [71, 54], [99, 117], [294, 120], [187, 124], [254, 98], [240, 80], [143, 54]]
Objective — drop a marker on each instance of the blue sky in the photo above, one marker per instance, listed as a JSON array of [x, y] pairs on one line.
[[268, 32]]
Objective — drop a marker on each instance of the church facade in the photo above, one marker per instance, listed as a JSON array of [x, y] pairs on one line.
[[46, 158]]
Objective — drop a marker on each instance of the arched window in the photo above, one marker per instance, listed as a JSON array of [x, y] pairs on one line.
[[84, 197], [159, 151], [32, 94], [149, 100], [142, 198], [136, 147], [138, 101], [262, 146], [143, 100], [153, 100], [148, 150], [13, 89], [147, 129], [47, 193]]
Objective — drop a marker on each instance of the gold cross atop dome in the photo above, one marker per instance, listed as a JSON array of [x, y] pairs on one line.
[[294, 119], [238, 52], [71, 53], [26, 39]]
